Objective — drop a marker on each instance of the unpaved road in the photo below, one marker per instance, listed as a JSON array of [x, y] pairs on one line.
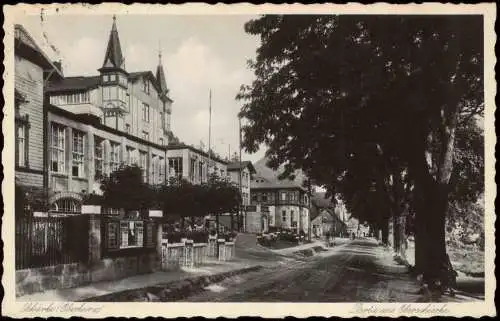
[[357, 272]]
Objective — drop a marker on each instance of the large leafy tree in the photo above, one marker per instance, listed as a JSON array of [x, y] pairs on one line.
[[330, 88], [125, 188]]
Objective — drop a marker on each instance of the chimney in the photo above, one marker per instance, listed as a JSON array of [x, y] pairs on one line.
[[58, 65]]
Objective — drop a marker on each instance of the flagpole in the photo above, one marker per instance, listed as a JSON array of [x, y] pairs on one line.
[[240, 178], [209, 129]]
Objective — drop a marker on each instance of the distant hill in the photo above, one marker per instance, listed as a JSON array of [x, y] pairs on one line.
[[263, 170]]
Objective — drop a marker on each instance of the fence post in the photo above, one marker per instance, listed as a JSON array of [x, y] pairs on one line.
[[94, 238]]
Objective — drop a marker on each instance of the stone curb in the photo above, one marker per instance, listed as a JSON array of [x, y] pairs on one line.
[[171, 291]]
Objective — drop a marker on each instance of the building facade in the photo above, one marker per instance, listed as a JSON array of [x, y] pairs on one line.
[[193, 165], [32, 68], [70, 131], [283, 204], [241, 175]]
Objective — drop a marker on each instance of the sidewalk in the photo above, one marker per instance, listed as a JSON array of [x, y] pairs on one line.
[[212, 268]]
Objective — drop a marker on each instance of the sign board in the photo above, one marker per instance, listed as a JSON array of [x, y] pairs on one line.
[[155, 213], [40, 214]]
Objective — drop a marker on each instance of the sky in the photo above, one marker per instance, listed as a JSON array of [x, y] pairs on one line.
[[199, 53]]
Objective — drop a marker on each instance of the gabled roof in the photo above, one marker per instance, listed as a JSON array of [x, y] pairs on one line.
[[28, 48], [114, 57], [74, 84], [260, 182], [234, 166]]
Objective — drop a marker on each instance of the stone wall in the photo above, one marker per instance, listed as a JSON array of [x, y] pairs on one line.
[[65, 276]]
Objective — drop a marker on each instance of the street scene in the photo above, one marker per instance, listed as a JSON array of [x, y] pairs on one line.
[[249, 158]]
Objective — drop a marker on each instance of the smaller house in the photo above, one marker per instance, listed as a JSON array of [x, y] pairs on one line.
[[325, 221]]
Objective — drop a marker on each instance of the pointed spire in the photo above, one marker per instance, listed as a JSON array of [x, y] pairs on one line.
[[160, 74], [114, 57]]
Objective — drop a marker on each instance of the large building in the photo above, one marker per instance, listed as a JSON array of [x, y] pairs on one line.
[[32, 68], [70, 131]]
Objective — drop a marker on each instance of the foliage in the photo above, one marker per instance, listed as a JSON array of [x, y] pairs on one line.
[[124, 188], [92, 199], [396, 98]]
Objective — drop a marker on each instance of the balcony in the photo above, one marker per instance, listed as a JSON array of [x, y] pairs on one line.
[[83, 109]]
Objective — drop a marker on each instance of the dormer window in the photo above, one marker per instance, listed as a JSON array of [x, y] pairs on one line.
[[146, 87]]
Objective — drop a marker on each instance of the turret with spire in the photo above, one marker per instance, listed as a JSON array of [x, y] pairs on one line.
[[160, 76], [114, 81], [163, 93], [113, 58]]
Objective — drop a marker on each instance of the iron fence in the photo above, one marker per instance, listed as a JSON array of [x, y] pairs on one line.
[[48, 241]]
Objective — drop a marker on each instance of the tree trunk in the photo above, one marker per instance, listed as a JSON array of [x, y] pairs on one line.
[[385, 232], [435, 233], [396, 233]]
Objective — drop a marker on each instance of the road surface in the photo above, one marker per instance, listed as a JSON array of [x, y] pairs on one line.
[[360, 271]]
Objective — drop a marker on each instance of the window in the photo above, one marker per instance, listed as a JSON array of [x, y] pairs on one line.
[[254, 197], [145, 135], [175, 167], [200, 171], [112, 77], [168, 122], [154, 168], [114, 159], [145, 87], [131, 159], [283, 216], [161, 142], [192, 164], [58, 148], [292, 218], [145, 112], [264, 197], [161, 169], [128, 130], [143, 164], [105, 78], [283, 196], [132, 233], [78, 168], [21, 146], [98, 157], [66, 205]]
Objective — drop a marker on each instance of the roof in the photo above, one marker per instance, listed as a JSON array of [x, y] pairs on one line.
[[260, 182], [160, 77], [114, 57], [318, 198], [74, 83], [25, 44], [133, 76], [234, 166], [196, 150]]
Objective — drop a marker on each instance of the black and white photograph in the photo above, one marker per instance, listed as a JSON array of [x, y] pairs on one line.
[[229, 154]]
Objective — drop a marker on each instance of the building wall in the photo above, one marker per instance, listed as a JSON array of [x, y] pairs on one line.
[[61, 182], [234, 175], [187, 155], [29, 82]]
